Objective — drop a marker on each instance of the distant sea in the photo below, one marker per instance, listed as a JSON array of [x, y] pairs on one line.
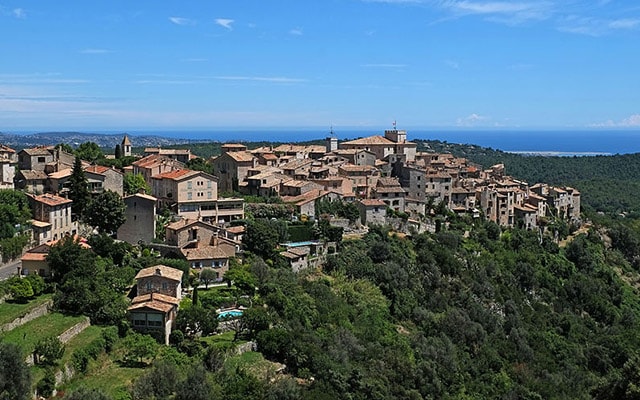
[[562, 142]]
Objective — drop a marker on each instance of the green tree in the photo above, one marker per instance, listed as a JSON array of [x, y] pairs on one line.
[[48, 351], [200, 164], [89, 151], [134, 183], [196, 320], [106, 212], [197, 386], [47, 384], [37, 284], [20, 289], [263, 236], [83, 393], [64, 147], [207, 276], [118, 152], [158, 383], [15, 376], [139, 347], [78, 189], [240, 275]]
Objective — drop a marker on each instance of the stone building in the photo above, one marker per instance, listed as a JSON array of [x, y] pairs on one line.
[[140, 219]]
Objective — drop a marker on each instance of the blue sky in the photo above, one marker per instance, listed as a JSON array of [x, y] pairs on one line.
[[428, 64]]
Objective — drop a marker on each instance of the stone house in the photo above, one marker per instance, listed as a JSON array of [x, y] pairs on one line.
[[101, 178], [372, 211], [154, 314], [159, 279], [356, 156], [181, 155], [390, 192], [363, 178], [140, 219], [154, 165], [35, 159], [297, 257], [231, 168], [54, 214]]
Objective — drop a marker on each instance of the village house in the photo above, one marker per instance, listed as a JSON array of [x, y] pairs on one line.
[[8, 160], [194, 194], [54, 214], [231, 168], [181, 155], [154, 165], [390, 192], [363, 178], [155, 307], [140, 219], [372, 211], [101, 178]]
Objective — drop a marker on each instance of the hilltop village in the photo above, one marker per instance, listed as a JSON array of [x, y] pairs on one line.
[[388, 180]]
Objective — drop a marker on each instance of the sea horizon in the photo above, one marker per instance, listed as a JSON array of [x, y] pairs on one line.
[[531, 141]]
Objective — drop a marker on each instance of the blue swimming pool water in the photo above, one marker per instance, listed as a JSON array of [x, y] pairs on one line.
[[298, 244], [229, 314]]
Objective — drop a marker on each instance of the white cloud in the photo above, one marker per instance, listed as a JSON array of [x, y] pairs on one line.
[[632, 121], [624, 23], [296, 31], [19, 13], [182, 21], [224, 22], [471, 120], [596, 27]]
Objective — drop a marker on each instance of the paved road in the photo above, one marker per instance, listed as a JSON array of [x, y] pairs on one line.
[[8, 270]]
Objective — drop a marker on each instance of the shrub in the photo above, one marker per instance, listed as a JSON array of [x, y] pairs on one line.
[[80, 360]]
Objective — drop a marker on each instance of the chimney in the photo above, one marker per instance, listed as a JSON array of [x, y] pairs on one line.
[[158, 272]]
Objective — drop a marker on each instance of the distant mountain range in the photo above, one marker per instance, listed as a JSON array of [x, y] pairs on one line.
[[18, 142]]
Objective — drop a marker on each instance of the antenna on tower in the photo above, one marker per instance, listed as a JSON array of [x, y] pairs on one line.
[[394, 124]]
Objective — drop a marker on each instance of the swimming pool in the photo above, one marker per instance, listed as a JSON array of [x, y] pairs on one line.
[[230, 314], [299, 244]]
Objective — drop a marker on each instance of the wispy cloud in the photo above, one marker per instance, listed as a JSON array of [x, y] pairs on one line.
[[452, 64], [19, 13], [261, 79], [95, 51], [39, 78], [472, 120], [224, 22], [511, 13], [182, 21], [632, 121], [296, 32], [596, 27]]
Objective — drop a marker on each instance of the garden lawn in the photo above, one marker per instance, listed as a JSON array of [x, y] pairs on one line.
[[80, 341], [27, 335], [107, 376], [9, 311]]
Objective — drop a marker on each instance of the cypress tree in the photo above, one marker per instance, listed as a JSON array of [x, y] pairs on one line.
[[78, 189], [118, 152]]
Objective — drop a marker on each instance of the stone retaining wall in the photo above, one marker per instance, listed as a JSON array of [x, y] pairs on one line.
[[39, 311]]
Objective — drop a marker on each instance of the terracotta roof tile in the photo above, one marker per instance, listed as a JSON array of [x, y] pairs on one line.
[[164, 271]]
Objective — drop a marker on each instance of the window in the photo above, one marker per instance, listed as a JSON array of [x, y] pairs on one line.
[[189, 196], [189, 185], [165, 286], [41, 159], [149, 286], [208, 184], [209, 195]]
